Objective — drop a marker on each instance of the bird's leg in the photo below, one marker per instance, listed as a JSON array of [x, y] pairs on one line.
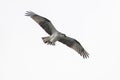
[[48, 40]]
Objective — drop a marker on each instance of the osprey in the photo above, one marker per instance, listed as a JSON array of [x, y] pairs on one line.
[[55, 35]]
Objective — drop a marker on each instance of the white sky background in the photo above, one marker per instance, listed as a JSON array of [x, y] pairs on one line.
[[95, 23]]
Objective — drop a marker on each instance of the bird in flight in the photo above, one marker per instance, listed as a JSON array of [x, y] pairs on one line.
[[55, 35]]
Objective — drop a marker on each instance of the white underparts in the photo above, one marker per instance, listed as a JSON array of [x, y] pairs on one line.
[[51, 39], [54, 37]]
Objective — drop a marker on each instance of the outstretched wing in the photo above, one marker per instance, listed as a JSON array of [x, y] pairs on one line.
[[43, 22], [74, 44]]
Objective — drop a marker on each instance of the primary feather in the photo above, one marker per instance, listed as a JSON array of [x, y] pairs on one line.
[[74, 44], [43, 22]]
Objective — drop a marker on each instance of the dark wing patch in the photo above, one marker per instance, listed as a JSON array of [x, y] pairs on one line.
[[74, 44], [46, 19], [67, 41], [46, 26]]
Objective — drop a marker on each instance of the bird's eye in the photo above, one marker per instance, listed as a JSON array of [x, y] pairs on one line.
[[64, 35]]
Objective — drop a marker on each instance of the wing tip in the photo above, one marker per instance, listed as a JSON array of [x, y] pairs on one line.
[[84, 54], [29, 13]]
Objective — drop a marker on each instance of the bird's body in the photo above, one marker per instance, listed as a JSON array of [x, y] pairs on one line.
[[55, 35]]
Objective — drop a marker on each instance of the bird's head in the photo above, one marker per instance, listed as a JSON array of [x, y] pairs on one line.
[[63, 35]]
